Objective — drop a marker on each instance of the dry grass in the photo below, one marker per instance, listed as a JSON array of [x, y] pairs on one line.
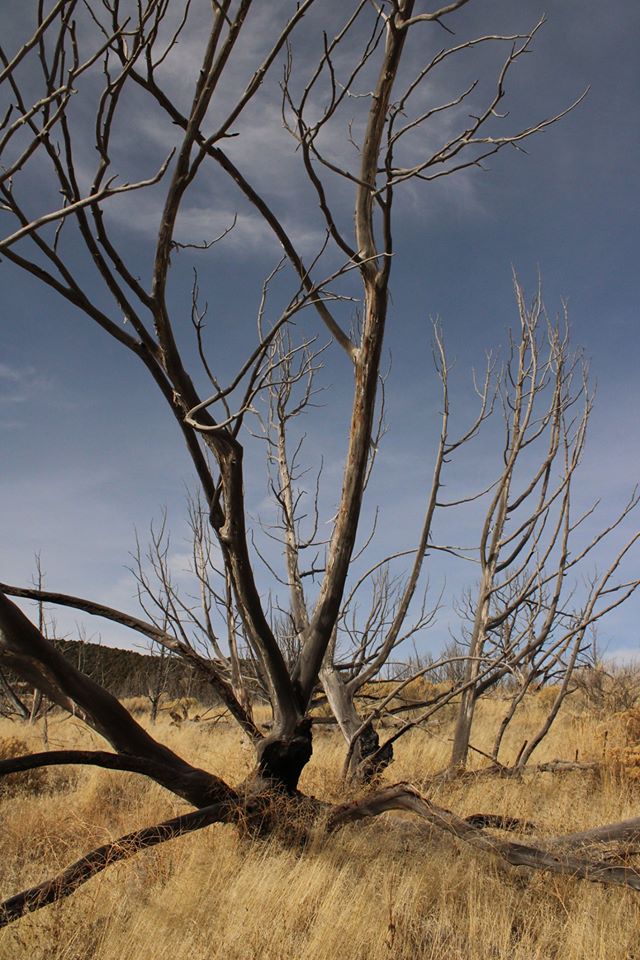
[[371, 891]]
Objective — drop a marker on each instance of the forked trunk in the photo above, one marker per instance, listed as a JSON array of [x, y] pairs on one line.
[[283, 755], [365, 760]]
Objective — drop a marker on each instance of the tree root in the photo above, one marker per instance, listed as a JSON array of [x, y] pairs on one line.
[[497, 822], [404, 797], [264, 816]]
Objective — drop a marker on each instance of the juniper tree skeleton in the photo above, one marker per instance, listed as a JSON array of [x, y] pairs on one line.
[[108, 53]]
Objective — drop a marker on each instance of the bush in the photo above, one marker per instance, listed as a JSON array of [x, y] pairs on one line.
[[609, 691]]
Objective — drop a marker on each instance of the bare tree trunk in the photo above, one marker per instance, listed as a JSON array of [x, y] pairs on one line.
[[366, 760], [37, 704], [466, 711]]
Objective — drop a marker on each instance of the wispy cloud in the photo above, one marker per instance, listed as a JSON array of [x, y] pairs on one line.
[[20, 386], [9, 373]]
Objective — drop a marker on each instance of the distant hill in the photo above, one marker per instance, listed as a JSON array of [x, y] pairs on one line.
[[127, 673]]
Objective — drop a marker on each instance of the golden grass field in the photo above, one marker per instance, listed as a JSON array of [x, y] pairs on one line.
[[373, 890]]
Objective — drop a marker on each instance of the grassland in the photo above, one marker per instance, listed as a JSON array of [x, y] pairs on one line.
[[384, 889]]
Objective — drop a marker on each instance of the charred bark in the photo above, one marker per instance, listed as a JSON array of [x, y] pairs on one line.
[[369, 758], [282, 757]]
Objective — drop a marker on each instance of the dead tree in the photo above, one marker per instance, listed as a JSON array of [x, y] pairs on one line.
[[520, 615], [528, 618], [367, 635], [65, 234], [198, 625]]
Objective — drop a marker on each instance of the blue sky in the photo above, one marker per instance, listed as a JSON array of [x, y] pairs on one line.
[[90, 453]]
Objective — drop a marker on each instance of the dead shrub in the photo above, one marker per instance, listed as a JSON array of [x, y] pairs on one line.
[[611, 690]]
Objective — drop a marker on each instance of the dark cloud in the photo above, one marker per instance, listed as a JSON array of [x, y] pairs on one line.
[[93, 450]]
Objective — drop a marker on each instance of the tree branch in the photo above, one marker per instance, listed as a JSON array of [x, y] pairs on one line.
[[28, 653], [97, 860]]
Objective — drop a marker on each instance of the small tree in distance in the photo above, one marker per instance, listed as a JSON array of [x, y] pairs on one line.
[[353, 81]]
